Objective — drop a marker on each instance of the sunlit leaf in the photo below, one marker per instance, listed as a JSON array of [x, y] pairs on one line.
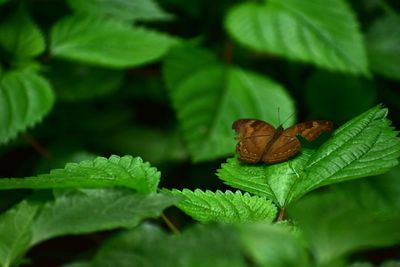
[[147, 10], [124, 171], [302, 30], [107, 42], [364, 146], [227, 207]]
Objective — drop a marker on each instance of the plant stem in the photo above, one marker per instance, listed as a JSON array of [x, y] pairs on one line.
[[37, 146], [281, 215], [171, 226]]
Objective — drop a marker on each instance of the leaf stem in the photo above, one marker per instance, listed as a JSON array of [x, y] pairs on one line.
[[37, 146], [281, 215], [171, 226]]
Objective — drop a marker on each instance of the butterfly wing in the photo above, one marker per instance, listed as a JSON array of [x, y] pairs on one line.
[[310, 130], [253, 136], [287, 145], [284, 147]]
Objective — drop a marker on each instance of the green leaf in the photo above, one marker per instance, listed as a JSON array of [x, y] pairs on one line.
[[382, 41], [74, 82], [226, 207], [25, 98], [338, 86], [208, 97], [364, 146], [145, 10], [20, 37], [91, 210], [302, 30], [151, 144], [16, 231], [273, 246], [335, 226], [272, 181], [147, 245], [101, 172], [107, 42]]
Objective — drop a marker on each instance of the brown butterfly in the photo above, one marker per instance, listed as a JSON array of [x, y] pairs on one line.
[[259, 141]]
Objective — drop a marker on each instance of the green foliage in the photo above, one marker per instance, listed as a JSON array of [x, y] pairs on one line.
[[338, 86], [73, 212], [25, 97], [163, 81], [364, 146], [109, 43], [20, 37], [122, 9], [64, 75], [149, 246], [227, 207], [16, 232], [382, 40], [101, 172], [351, 223], [90, 210], [216, 89], [269, 245], [302, 30]]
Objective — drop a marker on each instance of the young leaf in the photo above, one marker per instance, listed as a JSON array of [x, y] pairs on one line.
[[25, 98], [226, 207], [302, 30], [20, 37], [91, 210], [147, 10], [16, 231], [147, 245], [107, 42], [101, 172], [364, 146], [208, 97], [383, 48]]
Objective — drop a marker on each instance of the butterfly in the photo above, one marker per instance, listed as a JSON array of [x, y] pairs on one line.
[[259, 141]]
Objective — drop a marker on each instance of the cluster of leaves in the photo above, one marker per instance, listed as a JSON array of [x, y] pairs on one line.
[[86, 57]]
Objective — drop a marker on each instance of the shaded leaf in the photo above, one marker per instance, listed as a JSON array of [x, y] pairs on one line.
[[302, 30], [355, 94], [147, 10], [20, 36], [16, 231], [208, 97], [101, 172], [335, 225], [364, 146], [25, 98], [382, 40], [78, 38], [226, 207], [74, 82], [147, 246], [273, 246], [91, 210]]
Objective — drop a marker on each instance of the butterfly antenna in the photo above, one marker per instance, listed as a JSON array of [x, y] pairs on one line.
[[291, 115]]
